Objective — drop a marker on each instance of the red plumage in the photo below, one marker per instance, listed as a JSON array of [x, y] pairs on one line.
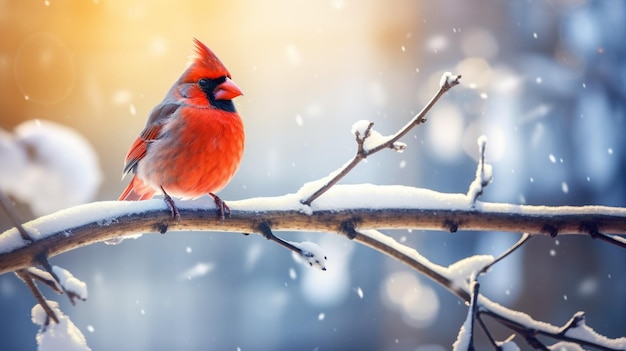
[[193, 141]]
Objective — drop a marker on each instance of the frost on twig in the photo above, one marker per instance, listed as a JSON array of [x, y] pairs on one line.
[[577, 329], [306, 251], [484, 173], [73, 287], [310, 253], [59, 280], [367, 138], [448, 80]]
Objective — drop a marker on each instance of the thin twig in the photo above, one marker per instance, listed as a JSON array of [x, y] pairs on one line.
[[45, 278], [25, 276], [421, 116], [492, 340], [611, 239], [473, 311], [13, 215], [525, 237], [363, 153], [264, 229], [401, 253]]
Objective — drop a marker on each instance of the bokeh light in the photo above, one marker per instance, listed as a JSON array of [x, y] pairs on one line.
[[44, 69]]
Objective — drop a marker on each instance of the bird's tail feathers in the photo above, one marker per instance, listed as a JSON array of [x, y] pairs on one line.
[[136, 190]]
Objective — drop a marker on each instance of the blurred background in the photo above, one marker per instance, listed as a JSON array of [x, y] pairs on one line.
[[544, 80]]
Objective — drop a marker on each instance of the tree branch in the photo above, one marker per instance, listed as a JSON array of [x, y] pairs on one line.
[[363, 206]]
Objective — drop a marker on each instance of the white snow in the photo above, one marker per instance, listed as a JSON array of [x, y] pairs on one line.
[[519, 317], [467, 268], [583, 332], [565, 346], [552, 158], [312, 254], [447, 78], [293, 274], [386, 196], [48, 166], [70, 283], [464, 337], [360, 127], [332, 287], [371, 138], [53, 337], [103, 213], [198, 270], [508, 345]]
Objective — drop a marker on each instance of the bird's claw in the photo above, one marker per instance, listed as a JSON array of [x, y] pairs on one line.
[[172, 206], [222, 207]]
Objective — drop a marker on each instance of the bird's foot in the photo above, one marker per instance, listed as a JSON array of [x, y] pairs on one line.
[[170, 203], [222, 207]]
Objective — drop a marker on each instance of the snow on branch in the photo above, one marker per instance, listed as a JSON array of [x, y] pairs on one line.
[[363, 206], [310, 253]]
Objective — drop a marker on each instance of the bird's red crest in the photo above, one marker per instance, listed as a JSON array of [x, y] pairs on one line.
[[205, 64]]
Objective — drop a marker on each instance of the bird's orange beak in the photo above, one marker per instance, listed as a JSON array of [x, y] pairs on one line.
[[227, 90]]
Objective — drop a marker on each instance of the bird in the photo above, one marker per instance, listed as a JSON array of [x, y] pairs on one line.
[[193, 141]]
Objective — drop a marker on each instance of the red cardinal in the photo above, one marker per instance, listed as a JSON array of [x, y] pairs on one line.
[[193, 141]]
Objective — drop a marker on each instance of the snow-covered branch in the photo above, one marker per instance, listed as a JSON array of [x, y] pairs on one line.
[[362, 206]]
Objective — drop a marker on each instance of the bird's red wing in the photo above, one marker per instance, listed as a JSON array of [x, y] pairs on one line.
[[140, 146], [151, 132]]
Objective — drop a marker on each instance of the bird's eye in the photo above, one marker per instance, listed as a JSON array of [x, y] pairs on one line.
[[203, 82]]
